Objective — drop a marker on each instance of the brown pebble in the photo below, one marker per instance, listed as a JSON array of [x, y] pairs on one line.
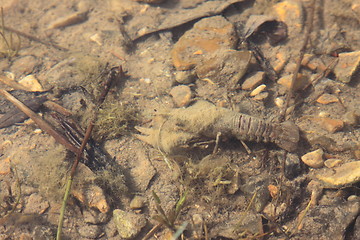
[[356, 153], [327, 98], [31, 83], [208, 35], [5, 166], [332, 162], [185, 77], [351, 118], [36, 204], [258, 90], [347, 66], [346, 174], [69, 20], [300, 83], [329, 124], [137, 202], [261, 96], [24, 65], [314, 159], [181, 95], [253, 81]]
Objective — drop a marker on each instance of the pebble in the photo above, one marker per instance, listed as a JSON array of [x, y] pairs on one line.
[[69, 20], [347, 66], [128, 224], [97, 39], [330, 163], [90, 231], [137, 202], [5, 166], [36, 204], [261, 96], [258, 90], [220, 67], [356, 152], [92, 196], [314, 159], [313, 63], [329, 124], [253, 81], [301, 82], [24, 65], [327, 98], [290, 12], [292, 167], [181, 95], [279, 102], [185, 77], [208, 35], [346, 174], [31, 83], [351, 118]]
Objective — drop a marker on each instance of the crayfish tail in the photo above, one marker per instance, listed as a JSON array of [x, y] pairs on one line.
[[286, 136]]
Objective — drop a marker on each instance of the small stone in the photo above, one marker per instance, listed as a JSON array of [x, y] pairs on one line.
[[185, 77], [290, 12], [353, 198], [128, 224], [327, 98], [137, 202], [330, 163], [36, 204], [356, 152], [5, 166], [220, 67], [279, 102], [329, 124], [24, 65], [282, 59], [31, 83], [97, 39], [258, 90], [292, 166], [69, 20], [314, 159], [90, 231], [261, 96], [274, 191], [253, 81], [351, 118], [181, 95], [91, 195], [208, 35], [301, 82], [347, 66], [346, 174], [313, 63]]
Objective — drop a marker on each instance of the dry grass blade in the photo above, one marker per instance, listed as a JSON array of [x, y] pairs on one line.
[[10, 47]]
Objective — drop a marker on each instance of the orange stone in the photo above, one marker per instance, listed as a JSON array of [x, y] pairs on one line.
[[207, 36], [5, 166], [327, 98], [329, 124]]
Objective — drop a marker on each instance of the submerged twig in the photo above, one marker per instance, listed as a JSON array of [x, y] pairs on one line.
[[40, 122], [299, 60], [114, 74]]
